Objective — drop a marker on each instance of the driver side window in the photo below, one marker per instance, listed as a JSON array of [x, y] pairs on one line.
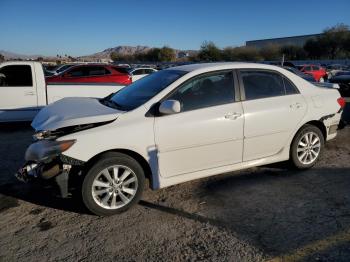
[[206, 90]]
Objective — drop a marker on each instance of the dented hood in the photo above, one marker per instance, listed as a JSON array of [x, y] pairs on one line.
[[72, 111]]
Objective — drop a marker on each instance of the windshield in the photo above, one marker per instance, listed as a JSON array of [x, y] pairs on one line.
[[142, 90], [63, 68]]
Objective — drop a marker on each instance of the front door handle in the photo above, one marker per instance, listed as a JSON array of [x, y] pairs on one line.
[[232, 116]]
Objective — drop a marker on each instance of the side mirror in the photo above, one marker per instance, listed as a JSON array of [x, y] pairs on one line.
[[169, 107]]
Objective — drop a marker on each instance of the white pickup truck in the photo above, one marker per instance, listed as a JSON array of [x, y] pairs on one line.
[[23, 90]]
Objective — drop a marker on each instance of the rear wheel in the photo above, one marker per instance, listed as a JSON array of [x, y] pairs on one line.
[[307, 147], [113, 184]]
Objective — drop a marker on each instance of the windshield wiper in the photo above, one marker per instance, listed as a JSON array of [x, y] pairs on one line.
[[111, 103], [118, 106]]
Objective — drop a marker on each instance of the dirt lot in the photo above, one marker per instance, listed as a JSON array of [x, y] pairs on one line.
[[268, 213]]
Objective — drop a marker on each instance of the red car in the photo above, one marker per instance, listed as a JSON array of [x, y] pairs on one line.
[[92, 73], [319, 73]]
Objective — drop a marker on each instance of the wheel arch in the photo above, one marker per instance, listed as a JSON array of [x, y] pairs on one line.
[[138, 157], [320, 125], [317, 123]]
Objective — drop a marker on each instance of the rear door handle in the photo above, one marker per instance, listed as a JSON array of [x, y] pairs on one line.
[[30, 93], [296, 105], [232, 116]]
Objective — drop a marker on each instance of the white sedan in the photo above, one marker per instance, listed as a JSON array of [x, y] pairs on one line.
[[181, 124], [138, 73]]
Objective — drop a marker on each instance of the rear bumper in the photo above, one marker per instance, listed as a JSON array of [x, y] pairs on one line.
[[331, 122]]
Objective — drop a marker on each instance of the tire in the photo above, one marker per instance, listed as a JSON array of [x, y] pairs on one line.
[[105, 196], [297, 149]]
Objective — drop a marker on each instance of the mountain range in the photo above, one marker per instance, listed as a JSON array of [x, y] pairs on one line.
[[105, 54], [11, 55]]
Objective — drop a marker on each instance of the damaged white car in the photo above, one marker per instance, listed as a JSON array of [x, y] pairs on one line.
[[177, 125]]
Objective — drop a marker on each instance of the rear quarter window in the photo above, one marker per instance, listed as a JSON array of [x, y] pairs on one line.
[[290, 88]]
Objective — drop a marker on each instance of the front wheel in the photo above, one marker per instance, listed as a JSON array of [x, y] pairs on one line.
[[113, 184], [307, 147]]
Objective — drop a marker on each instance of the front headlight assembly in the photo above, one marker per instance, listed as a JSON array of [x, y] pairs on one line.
[[47, 149], [43, 135]]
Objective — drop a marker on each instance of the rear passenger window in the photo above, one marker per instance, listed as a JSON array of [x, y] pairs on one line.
[[76, 72], [260, 84], [16, 75], [205, 91], [290, 87], [97, 71]]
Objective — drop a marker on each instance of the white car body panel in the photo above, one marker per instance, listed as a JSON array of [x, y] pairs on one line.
[[201, 143], [22, 103], [71, 111], [267, 128], [178, 138]]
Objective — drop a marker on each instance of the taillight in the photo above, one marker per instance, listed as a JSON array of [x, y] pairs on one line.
[[341, 101]]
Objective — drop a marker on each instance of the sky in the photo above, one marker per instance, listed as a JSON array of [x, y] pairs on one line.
[[83, 27]]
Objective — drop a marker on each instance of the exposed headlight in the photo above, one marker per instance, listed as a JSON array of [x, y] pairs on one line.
[[46, 149], [42, 135]]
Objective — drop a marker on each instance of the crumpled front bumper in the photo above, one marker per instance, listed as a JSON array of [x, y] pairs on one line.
[[31, 170], [60, 172], [44, 161]]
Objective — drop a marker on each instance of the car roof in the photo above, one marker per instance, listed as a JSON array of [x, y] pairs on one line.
[[221, 66], [136, 68], [93, 64]]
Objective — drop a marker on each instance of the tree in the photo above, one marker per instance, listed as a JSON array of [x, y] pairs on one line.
[[2, 58], [313, 49], [166, 54], [153, 55], [114, 56], [293, 52], [209, 52], [242, 53], [333, 43], [271, 52], [333, 40], [39, 59]]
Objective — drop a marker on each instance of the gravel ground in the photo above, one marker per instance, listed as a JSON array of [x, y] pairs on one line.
[[267, 213]]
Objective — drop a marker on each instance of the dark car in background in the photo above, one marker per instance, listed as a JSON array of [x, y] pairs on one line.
[[343, 80], [61, 68], [92, 73]]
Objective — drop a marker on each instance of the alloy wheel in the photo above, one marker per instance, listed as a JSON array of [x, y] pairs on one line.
[[309, 148], [114, 187]]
